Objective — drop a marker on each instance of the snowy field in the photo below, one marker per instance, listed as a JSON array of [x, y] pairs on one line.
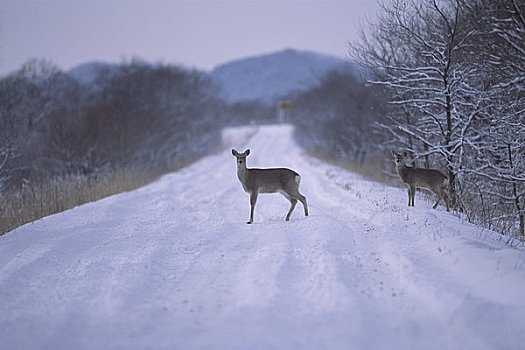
[[174, 266]]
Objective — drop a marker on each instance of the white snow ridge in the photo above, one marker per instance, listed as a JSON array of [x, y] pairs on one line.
[[174, 266]]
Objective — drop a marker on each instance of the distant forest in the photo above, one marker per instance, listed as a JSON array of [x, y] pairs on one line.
[[444, 80], [63, 142]]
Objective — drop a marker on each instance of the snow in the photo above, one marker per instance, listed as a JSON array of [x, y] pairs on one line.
[[173, 265]]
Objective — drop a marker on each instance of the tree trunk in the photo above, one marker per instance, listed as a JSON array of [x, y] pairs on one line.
[[517, 203], [448, 136]]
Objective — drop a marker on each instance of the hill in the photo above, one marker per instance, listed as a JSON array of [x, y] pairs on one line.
[[264, 78], [268, 77], [86, 73]]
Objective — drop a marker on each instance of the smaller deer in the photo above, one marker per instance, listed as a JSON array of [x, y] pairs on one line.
[[431, 179], [282, 180]]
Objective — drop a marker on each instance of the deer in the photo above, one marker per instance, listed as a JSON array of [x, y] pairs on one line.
[[269, 180], [431, 179]]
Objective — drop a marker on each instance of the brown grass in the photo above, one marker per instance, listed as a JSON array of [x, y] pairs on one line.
[[59, 194]]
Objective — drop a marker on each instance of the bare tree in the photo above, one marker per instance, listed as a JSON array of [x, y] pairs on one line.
[[498, 166], [456, 73], [416, 48]]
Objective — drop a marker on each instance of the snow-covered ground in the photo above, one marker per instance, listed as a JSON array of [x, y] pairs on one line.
[[174, 266]]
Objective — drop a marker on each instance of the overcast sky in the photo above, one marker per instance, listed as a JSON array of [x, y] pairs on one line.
[[200, 34]]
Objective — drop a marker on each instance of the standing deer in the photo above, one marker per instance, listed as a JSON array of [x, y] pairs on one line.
[[282, 180], [413, 178]]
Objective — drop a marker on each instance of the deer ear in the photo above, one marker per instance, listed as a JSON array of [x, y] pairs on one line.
[[247, 152], [394, 153], [234, 152], [405, 154]]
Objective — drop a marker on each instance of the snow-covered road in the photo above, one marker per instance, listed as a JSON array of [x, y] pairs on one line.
[[174, 266]]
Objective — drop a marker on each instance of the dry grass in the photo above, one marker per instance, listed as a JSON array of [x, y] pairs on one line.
[[57, 195]]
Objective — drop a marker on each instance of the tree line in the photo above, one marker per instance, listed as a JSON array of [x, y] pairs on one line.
[[336, 119], [451, 74], [134, 115], [65, 141], [134, 118], [445, 81]]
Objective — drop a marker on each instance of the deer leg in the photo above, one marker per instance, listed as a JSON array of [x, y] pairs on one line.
[[253, 200], [293, 202], [444, 195], [298, 196], [409, 195], [412, 195], [305, 206]]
